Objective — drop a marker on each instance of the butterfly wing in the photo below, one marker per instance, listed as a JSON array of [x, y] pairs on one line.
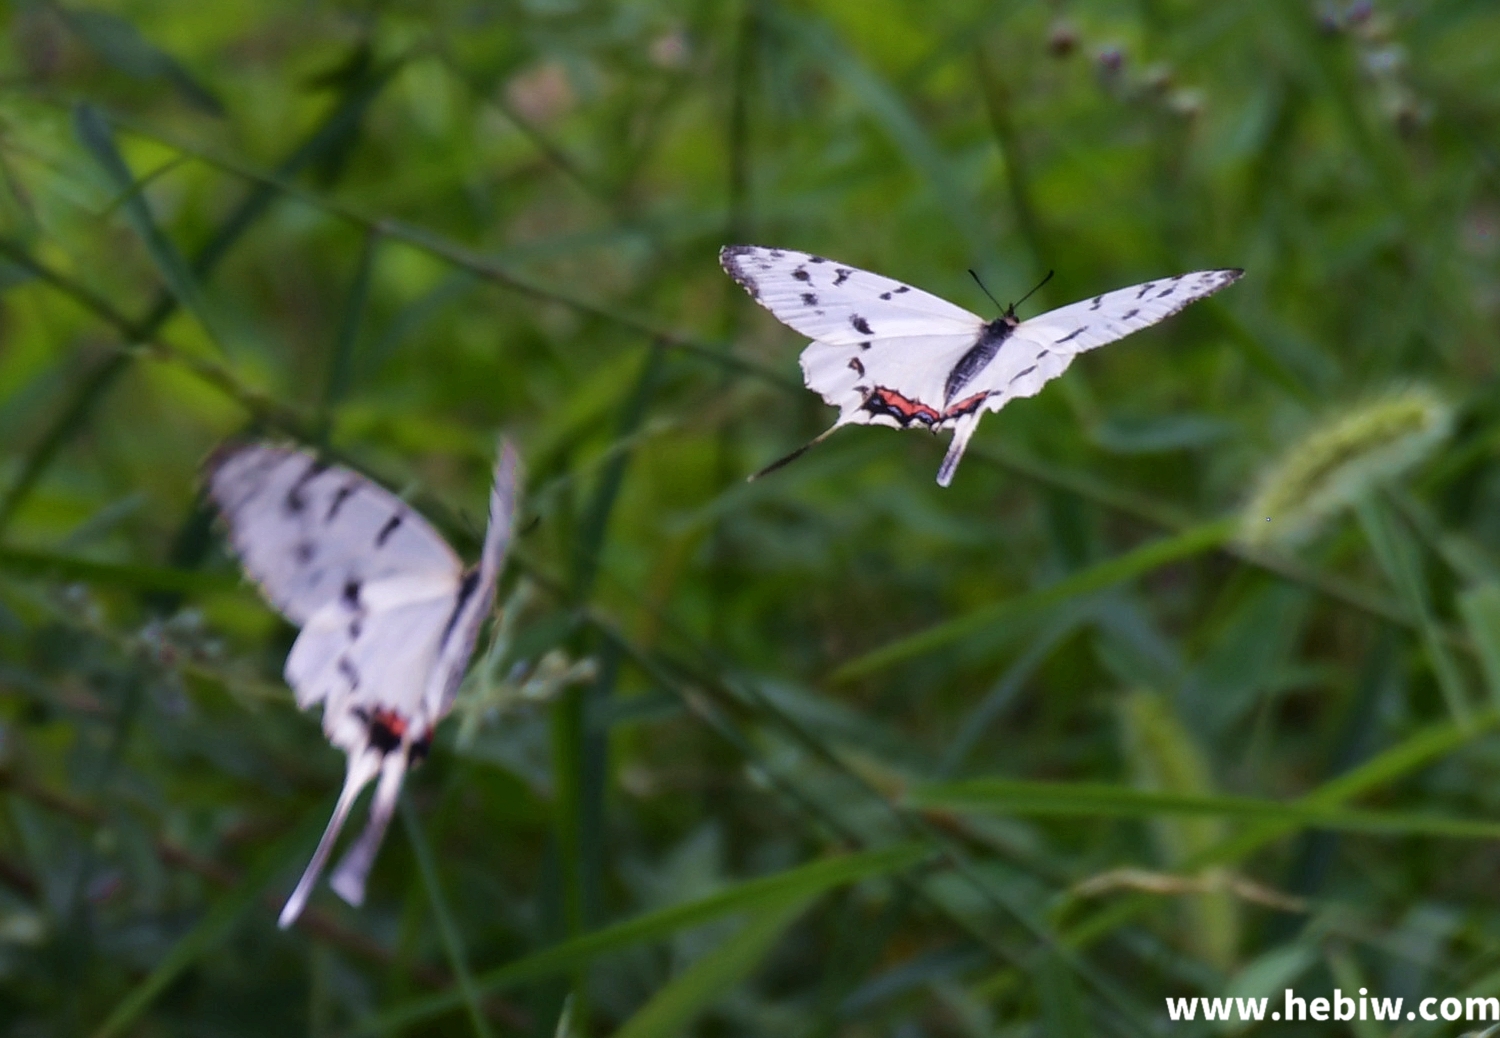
[[881, 348], [1040, 349], [387, 613], [838, 304], [374, 652], [1094, 322], [375, 704], [304, 530], [894, 382], [885, 353], [464, 611], [476, 594]]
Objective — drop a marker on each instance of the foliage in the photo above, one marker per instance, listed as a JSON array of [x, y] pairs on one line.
[[836, 752]]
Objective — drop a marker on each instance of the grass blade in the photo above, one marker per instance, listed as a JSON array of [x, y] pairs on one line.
[[215, 926], [136, 578], [1397, 557], [94, 131], [341, 362], [1165, 757], [804, 882], [1132, 564], [591, 531], [675, 1006], [122, 46], [1062, 1001], [892, 114], [452, 942], [1480, 608], [333, 133], [1100, 800]]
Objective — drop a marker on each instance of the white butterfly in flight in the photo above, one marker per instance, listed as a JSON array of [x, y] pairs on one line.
[[388, 613], [885, 353]]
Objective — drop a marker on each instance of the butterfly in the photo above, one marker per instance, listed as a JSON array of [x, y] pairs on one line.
[[885, 353], [388, 616]]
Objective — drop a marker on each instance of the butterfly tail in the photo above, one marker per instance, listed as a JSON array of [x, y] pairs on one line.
[[788, 459], [362, 768], [962, 430], [348, 880]]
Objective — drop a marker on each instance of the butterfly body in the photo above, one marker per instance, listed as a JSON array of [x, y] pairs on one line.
[[885, 353], [387, 611]]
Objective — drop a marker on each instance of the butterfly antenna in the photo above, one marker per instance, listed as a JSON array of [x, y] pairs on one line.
[[781, 462], [1028, 295], [975, 275]]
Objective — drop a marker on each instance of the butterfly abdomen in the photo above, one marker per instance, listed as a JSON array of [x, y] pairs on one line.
[[978, 357]]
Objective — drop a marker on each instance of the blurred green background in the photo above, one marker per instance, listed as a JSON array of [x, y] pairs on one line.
[[836, 752]]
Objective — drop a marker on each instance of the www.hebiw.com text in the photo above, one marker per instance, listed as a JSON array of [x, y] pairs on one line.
[[1295, 1008]]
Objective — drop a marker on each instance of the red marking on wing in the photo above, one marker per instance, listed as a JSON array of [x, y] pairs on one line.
[[394, 722], [965, 406], [899, 407]]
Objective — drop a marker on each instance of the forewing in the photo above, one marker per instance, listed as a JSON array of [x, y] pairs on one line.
[[1103, 319], [305, 531], [476, 593], [839, 304]]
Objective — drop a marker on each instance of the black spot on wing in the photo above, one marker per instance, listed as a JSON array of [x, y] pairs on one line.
[[1148, 286], [351, 593], [341, 495], [903, 288], [856, 366], [775, 253], [389, 528], [841, 275], [1023, 374], [801, 274], [816, 259], [1073, 334], [731, 258], [465, 592], [295, 501], [864, 345], [860, 324], [1097, 300], [1128, 315], [1166, 292], [809, 299], [885, 295], [304, 552]]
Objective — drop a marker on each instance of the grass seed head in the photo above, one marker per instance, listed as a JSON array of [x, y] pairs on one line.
[[1341, 460]]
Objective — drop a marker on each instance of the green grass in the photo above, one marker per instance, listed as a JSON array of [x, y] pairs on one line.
[[858, 755]]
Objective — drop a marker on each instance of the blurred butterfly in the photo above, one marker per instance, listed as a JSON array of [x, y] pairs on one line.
[[388, 613], [885, 353]]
